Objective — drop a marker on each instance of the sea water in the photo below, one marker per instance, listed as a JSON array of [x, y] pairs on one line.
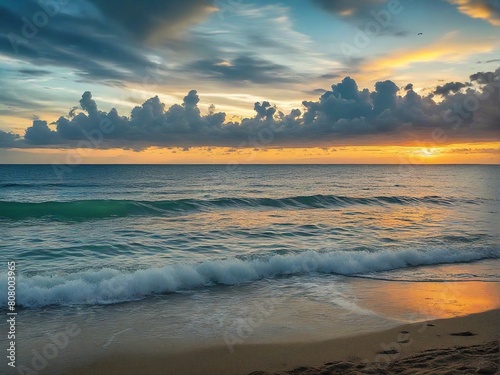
[[199, 252]]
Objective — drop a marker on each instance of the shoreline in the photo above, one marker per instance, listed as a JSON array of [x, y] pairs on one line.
[[477, 335]]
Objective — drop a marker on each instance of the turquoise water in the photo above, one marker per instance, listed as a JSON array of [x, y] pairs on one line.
[[98, 235]]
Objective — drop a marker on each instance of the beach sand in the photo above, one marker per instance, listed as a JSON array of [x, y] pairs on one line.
[[463, 345]]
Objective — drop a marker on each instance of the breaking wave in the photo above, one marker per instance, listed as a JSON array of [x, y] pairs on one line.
[[106, 286]]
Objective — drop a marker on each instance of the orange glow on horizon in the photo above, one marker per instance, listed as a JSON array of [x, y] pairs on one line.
[[476, 153]]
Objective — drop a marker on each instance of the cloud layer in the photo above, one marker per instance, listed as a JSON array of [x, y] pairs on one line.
[[247, 49], [118, 45], [488, 10], [456, 111], [155, 19]]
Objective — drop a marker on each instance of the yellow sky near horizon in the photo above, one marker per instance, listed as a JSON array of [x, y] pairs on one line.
[[463, 153]]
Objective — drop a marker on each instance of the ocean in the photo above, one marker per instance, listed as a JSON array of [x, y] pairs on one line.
[[195, 250]]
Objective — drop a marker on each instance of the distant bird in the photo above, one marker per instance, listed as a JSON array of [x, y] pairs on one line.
[[420, 33]]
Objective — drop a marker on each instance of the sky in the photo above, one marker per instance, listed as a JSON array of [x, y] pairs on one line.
[[236, 81]]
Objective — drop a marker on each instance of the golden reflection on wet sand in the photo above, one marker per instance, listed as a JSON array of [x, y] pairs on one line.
[[416, 301]]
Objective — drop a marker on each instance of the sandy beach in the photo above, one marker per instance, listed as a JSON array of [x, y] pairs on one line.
[[463, 345]]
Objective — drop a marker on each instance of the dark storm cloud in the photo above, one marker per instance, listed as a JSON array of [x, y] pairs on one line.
[[450, 87], [345, 114], [241, 69]]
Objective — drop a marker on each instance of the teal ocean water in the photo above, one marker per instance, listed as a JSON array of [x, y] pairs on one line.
[[101, 235]]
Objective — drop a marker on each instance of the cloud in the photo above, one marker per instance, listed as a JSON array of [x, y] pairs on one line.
[[449, 48], [103, 43], [40, 134], [92, 47], [242, 69], [450, 87], [19, 100], [360, 12], [34, 72], [489, 61], [482, 77], [8, 139], [155, 20], [488, 10], [316, 91], [330, 76], [348, 8], [345, 114], [257, 38], [384, 97]]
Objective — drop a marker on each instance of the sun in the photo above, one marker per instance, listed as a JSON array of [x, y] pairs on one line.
[[429, 152]]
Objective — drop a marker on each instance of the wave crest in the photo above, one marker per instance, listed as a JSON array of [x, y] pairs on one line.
[[108, 286], [94, 209]]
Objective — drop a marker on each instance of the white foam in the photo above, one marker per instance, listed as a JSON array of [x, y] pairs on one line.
[[107, 286]]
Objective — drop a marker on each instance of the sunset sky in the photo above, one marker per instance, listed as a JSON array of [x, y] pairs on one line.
[[235, 81]]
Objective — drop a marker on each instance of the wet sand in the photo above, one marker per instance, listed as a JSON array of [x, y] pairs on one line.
[[463, 345]]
